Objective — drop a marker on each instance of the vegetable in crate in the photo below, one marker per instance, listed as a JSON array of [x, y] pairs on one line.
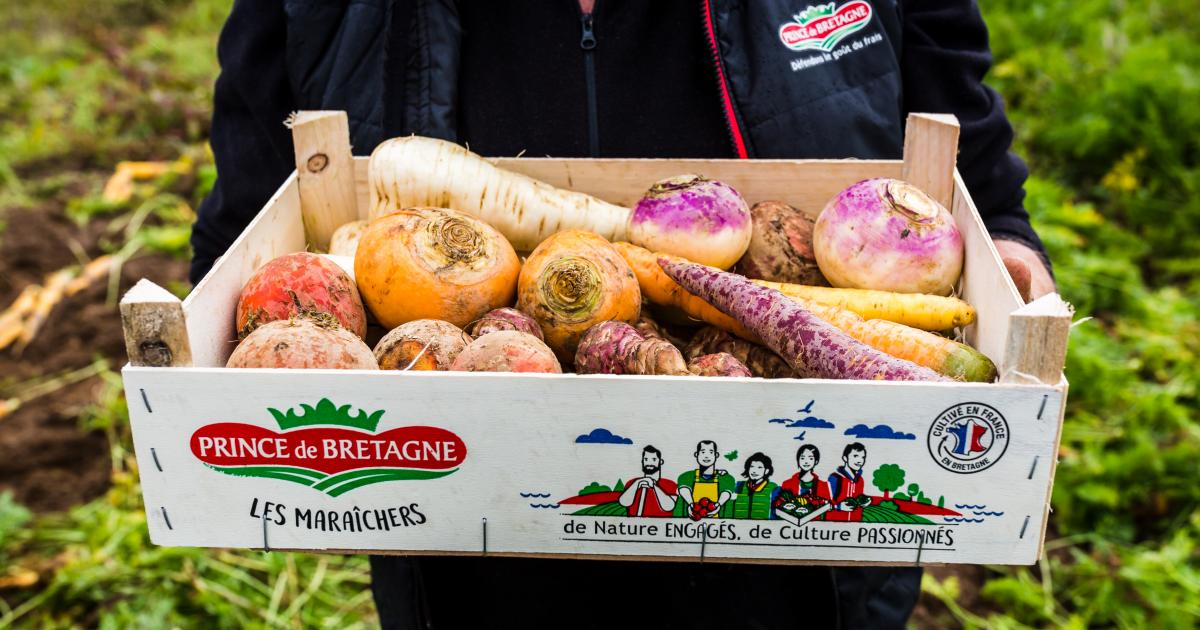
[[344, 241], [660, 289], [889, 235], [759, 360], [303, 342], [699, 219], [432, 263], [618, 348], [573, 281], [507, 351], [423, 344], [781, 246], [927, 312], [299, 284], [418, 171], [504, 319], [945, 356], [718, 364], [811, 345]]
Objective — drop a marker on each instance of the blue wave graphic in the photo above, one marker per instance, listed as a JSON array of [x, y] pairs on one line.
[[544, 506], [951, 519], [968, 506], [539, 495], [988, 513]]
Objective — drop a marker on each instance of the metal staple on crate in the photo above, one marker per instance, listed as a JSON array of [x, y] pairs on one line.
[[1042, 409], [146, 401], [703, 541], [484, 535], [266, 546], [920, 547], [1023, 527], [165, 517], [154, 455], [1033, 467]]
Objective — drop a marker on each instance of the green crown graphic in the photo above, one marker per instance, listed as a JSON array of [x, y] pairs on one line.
[[326, 413], [813, 13]]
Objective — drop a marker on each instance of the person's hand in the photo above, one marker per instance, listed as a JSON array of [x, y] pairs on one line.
[[1026, 269], [645, 482]]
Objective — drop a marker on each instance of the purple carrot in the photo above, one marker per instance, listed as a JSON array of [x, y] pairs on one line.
[[812, 346]]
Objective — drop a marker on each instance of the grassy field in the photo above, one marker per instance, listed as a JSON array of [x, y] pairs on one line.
[[1104, 96]]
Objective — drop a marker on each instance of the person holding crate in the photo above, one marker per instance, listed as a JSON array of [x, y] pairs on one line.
[[617, 78]]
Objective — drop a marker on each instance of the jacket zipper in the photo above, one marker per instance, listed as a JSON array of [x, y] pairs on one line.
[[588, 43], [731, 122]]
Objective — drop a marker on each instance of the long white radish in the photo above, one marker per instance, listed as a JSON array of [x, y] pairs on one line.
[[418, 171]]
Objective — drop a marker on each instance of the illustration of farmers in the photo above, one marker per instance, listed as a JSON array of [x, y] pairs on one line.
[[650, 494], [705, 491], [755, 497], [806, 482], [846, 485]]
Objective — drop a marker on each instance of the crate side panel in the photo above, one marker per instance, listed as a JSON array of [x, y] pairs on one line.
[[539, 457], [277, 230], [986, 284], [805, 184]]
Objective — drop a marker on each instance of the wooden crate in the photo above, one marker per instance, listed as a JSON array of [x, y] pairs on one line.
[[536, 464]]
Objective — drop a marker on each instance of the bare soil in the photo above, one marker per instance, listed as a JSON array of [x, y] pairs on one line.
[[46, 458]]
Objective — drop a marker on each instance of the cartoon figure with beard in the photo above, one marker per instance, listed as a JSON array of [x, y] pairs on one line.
[[650, 494]]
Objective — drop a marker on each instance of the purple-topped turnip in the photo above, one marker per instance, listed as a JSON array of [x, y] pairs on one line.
[[699, 219], [888, 235]]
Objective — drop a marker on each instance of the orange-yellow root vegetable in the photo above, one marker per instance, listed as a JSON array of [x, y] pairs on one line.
[[303, 343], [573, 281], [956, 360], [423, 344], [507, 351], [431, 263], [660, 289], [927, 312]]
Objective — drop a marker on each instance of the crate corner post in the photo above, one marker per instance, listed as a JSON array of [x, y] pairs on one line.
[[155, 327], [930, 155], [1035, 350], [325, 168]]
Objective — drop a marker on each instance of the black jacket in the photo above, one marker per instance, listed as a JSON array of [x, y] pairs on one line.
[[398, 67]]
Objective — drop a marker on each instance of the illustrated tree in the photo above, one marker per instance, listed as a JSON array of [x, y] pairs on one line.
[[619, 486], [887, 478]]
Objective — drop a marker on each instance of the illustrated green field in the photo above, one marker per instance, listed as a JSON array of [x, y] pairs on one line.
[[1104, 97]]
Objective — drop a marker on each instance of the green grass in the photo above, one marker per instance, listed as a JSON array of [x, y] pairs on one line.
[[1104, 96]]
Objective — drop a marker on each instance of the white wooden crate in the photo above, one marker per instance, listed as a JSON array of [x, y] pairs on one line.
[[503, 464]]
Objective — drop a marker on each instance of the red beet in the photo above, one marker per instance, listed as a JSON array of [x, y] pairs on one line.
[[303, 343], [504, 319], [507, 351], [300, 284]]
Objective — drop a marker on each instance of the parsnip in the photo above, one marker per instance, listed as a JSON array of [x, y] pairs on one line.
[[418, 171]]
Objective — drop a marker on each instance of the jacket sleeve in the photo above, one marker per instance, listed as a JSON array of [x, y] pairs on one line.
[[251, 146], [945, 57]]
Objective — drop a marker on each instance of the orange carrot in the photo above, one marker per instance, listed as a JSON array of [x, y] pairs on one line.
[[946, 356], [660, 289]]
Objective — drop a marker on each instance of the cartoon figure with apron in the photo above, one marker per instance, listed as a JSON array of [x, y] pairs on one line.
[[705, 492]]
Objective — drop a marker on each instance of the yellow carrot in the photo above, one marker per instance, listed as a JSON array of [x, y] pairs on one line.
[[927, 312], [953, 359], [660, 289]]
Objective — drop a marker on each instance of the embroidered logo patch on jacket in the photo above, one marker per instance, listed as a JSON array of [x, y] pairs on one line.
[[821, 27]]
